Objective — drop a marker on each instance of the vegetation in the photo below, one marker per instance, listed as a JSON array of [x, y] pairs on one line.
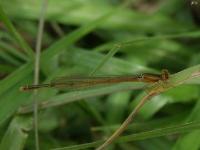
[[100, 37]]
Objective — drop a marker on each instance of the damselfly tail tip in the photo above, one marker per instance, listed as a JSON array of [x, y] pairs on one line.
[[33, 87], [23, 88]]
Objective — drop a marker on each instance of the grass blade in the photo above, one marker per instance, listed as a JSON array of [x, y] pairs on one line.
[[16, 134], [182, 128], [15, 34]]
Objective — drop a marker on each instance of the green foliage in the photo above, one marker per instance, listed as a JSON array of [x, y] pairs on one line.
[[100, 37]]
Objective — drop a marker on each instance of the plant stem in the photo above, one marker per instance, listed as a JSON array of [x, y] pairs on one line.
[[127, 121], [37, 69]]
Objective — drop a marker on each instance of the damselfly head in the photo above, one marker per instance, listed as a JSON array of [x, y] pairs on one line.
[[165, 74]]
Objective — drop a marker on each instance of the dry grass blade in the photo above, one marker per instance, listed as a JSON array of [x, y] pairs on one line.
[[156, 89], [129, 119], [37, 69]]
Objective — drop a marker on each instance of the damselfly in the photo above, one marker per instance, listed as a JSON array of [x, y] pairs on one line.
[[90, 81]]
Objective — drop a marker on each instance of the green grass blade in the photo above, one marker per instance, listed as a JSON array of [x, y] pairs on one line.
[[15, 34], [77, 95], [68, 40], [182, 128], [106, 58], [15, 77], [16, 134], [12, 51], [8, 58], [7, 69], [190, 140], [185, 127], [192, 34]]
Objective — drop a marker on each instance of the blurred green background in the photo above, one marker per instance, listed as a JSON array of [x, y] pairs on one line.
[[99, 37]]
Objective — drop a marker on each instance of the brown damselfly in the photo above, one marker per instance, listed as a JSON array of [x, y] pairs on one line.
[[90, 81]]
